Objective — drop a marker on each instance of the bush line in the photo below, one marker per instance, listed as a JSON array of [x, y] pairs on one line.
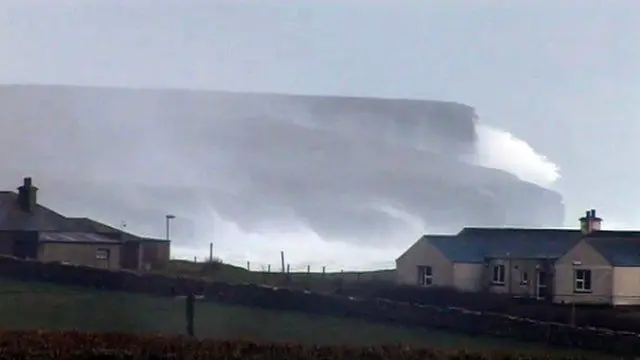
[[76, 345]]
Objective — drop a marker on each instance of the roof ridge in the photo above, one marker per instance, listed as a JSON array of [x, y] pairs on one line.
[[487, 228], [474, 245]]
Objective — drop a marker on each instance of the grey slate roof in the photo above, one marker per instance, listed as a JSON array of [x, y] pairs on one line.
[[618, 251], [615, 234], [458, 249], [93, 226], [474, 245], [12, 217], [55, 227], [74, 237], [153, 240], [424, 239], [89, 225]]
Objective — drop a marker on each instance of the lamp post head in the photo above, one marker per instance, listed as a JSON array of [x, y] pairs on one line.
[[169, 216]]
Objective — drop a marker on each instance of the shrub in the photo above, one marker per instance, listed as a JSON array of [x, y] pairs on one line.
[[77, 345]]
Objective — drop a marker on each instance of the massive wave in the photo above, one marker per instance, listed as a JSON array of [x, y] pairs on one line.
[[496, 149], [499, 149], [337, 182]]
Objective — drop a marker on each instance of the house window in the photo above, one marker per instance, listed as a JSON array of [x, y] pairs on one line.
[[498, 274], [582, 280], [425, 275], [102, 254]]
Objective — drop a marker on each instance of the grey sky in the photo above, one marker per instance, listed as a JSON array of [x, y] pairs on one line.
[[562, 75]]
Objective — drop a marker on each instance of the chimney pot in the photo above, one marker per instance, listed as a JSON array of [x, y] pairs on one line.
[[27, 197], [590, 222]]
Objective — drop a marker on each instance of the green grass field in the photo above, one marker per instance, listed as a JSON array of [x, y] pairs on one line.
[[48, 306], [318, 282]]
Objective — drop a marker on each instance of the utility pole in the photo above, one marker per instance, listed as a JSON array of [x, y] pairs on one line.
[[282, 260], [211, 252]]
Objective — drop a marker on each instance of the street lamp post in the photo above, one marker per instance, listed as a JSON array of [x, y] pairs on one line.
[[168, 219]]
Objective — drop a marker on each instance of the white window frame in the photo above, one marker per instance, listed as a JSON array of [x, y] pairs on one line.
[[103, 254], [582, 281], [499, 274], [425, 275]]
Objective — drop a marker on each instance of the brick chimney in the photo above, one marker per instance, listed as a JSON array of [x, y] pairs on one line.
[[590, 222], [27, 196]]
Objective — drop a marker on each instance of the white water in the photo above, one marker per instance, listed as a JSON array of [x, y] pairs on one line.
[[501, 150], [302, 246]]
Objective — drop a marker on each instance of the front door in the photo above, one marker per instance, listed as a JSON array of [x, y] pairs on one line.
[[541, 287]]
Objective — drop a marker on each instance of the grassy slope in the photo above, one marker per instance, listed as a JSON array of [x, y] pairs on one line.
[[47, 306], [232, 274]]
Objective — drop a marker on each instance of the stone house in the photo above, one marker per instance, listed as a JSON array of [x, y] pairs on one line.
[[79, 248], [501, 260], [137, 252], [439, 260], [585, 265], [30, 230], [601, 269]]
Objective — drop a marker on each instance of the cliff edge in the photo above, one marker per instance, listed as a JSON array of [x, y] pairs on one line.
[[336, 164]]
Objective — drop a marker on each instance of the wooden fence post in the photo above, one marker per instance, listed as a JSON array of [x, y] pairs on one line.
[[190, 313]]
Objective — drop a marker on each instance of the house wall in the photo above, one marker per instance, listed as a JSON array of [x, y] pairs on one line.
[[514, 276], [6, 243], [585, 257], [422, 253], [131, 255], [468, 277], [25, 244], [626, 286], [80, 254], [21, 244], [155, 252]]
